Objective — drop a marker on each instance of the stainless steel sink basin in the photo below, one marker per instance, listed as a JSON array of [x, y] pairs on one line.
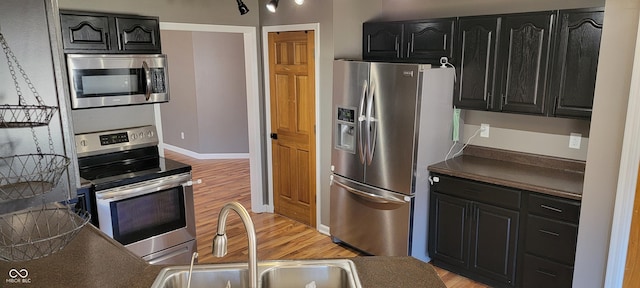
[[334, 273], [309, 275], [213, 276]]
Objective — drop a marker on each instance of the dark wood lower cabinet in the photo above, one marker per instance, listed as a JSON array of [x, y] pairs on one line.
[[450, 222], [475, 238], [502, 236], [539, 272], [494, 241], [549, 241]]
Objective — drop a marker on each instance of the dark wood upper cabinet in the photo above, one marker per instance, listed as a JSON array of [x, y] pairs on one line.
[[85, 32], [430, 39], [573, 78], [523, 62], [138, 34], [476, 55], [538, 63], [90, 32], [382, 40], [422, 41]]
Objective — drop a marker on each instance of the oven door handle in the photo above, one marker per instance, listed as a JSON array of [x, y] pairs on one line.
[[143, 188]]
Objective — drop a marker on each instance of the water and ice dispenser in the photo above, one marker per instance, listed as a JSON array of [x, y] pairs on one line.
[[345, 129]]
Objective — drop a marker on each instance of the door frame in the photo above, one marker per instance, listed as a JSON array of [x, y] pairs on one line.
[[267, 95], [627, 180], [253, 100]]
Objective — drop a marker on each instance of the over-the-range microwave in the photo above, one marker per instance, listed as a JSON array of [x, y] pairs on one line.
[[97, 80]]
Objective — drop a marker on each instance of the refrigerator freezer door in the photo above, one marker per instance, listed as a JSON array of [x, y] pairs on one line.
[[350, 86], [374, 221], [391, 133]]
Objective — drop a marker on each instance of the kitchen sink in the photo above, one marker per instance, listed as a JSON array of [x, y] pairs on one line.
[[334, 273], [210, 276], [309, 276]]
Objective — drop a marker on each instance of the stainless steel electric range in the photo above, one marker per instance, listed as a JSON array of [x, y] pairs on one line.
[[138, 198]]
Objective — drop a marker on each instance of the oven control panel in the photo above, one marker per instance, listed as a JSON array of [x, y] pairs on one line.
[[116, 138], [93, 143]]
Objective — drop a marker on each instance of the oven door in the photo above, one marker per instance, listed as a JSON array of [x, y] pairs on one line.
[[113, 80], [149, 216]]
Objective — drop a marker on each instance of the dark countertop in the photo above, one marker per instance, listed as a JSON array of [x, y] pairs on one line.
[[93, 259], [552, 180]]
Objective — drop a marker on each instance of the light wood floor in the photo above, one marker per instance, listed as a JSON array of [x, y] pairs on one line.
[[224, 181]]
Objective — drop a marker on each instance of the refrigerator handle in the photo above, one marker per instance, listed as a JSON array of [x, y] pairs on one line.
[[371, 125], [361, 119], [372, 197]]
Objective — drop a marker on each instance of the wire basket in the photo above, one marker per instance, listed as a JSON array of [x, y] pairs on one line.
[[29, 175], [21, 116], [38, 232]]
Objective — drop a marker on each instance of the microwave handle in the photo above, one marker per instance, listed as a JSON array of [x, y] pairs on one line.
[[147, 75]]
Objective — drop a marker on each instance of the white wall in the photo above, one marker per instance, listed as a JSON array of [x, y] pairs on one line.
[[605, 143]]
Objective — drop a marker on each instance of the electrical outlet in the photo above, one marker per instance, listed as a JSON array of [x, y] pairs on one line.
[[484, 130], [182, 135], [574, 140]]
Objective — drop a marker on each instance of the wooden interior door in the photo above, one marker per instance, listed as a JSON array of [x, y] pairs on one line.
[[292, 88], [632, 267]]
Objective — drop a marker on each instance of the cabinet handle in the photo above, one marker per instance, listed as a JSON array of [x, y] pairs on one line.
[[549, 232], [488, 100], [397, 48], [551, 208], [106, 38], [546, 273]]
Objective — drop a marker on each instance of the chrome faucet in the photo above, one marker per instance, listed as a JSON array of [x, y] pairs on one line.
[[220, 240]]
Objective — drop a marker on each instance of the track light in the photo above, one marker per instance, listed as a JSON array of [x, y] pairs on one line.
[[243, 8], [299, 2], [272, 5]]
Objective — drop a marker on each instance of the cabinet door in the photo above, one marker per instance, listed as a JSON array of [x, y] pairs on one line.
[[138, 34], [573, 78], [429, 40], [84, 32], [524, 55], [448, 236], [477, 38], [381, 41], [493, 245]]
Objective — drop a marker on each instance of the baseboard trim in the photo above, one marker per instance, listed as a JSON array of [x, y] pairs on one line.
[[204, 156], [324, 229]]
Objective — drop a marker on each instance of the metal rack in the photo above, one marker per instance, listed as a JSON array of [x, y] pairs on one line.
[[37, 231]]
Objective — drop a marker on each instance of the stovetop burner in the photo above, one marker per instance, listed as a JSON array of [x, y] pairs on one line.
[[119, 157], [115, 169]]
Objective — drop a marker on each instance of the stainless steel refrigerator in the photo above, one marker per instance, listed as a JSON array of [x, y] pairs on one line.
[[390, 122]]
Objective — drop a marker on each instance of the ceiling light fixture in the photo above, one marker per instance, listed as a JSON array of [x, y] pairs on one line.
[[299, 2], [272, 5], [243, 8]]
